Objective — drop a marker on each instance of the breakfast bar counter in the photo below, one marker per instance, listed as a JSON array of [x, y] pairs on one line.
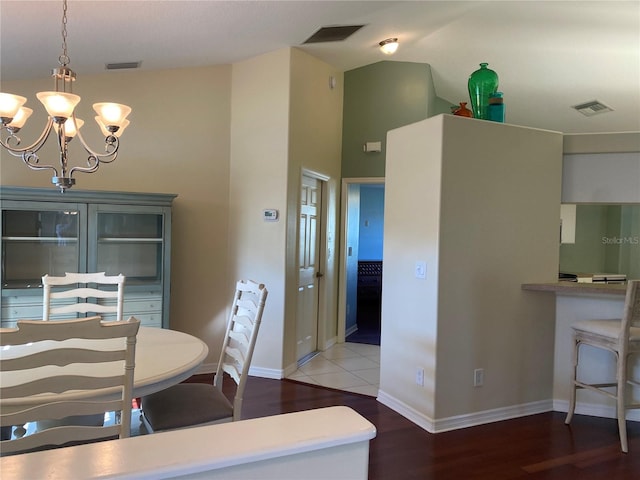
[[575, 288], [575, 302]]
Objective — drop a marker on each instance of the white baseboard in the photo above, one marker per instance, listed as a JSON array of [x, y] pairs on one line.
[[493, 415], [330, 343], [350, 330], [406, 411], [272, 373], [594, 410], [466, 420], [207, 368]]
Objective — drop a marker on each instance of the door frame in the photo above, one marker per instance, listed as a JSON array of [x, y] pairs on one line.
[[342, 290]]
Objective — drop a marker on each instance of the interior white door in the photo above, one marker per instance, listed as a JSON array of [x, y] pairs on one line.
[[308, 266]]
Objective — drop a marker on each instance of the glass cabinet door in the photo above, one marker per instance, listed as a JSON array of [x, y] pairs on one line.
[[37, 241], [130, 243]]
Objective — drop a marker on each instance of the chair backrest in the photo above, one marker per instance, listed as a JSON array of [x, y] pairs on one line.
[[631, 315], [78, 367], [240, 338], [106, 301]]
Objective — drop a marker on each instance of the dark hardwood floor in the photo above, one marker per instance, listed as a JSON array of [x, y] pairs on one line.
[[533, 447]]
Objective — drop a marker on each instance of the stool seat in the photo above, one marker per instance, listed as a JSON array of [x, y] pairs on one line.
[[605, 328]]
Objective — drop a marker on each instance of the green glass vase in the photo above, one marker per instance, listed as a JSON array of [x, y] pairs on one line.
[[482, 83]]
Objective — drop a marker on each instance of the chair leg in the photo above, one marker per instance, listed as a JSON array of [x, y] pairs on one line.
[[572, 392], [621, 402]]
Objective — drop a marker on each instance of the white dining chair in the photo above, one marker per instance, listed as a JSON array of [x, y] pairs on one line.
[[85, 288], [60, 362], [620, 336], [191, 404]]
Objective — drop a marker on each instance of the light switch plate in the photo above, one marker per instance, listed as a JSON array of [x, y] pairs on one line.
[[421, 270]]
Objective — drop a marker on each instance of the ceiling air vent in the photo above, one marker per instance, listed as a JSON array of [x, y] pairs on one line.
[[591, 108], [123, 65], [333, 34]]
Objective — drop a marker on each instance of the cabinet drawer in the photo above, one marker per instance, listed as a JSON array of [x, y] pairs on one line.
[[22, 300], [8, 323], [146, 319], [26, 312], [137, 306], [30, 311]]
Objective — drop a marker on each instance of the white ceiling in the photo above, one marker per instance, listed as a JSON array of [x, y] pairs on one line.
[[549, 55]]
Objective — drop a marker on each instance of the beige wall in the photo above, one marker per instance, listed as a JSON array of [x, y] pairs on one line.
[[479, 203], [230, 141], [411, 225], [315, 146], [259, 159], [498, 229], [284, 118], [178, 142]]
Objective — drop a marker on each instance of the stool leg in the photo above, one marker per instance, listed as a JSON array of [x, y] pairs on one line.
[[621, 401], [572, 392]]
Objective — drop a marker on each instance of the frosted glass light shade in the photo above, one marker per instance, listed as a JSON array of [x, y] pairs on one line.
[[389, 46], [70, 129], [10, 104], [20, 118], [106, 132], [112, 114], [59, 104]]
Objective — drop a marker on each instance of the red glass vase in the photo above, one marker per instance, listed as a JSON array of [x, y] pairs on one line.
[[463, 111]]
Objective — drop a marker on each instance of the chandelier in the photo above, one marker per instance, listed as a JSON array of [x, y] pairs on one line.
[[60, 105]]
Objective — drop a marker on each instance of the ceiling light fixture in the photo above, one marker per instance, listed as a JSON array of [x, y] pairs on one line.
[[389, 46], [60, 105]]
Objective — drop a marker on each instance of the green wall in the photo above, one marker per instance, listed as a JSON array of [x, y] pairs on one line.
[[378, 98]]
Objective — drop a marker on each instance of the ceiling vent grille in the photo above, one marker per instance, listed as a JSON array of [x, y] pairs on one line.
[[594, 107], [333, 34], [123, 65]]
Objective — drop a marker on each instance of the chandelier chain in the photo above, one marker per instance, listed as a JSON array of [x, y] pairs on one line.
[[64, 58], [60, 104]]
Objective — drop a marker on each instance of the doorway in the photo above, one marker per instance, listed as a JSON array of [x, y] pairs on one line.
[[360, 294]]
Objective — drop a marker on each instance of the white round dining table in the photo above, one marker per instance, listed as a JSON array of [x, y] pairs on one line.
[[163, 358]]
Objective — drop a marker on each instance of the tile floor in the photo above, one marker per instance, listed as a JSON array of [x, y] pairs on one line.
[[353, 367]]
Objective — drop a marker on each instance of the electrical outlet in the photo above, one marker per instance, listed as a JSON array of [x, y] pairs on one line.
[[478, 377], [420, 377]]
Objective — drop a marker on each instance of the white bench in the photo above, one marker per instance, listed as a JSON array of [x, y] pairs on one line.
[[323, 443]]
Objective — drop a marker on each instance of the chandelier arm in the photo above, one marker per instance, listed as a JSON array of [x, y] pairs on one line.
[[95, 159], [34, 147], [29, 154]]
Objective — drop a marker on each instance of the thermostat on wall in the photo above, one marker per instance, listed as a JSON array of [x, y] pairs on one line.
[[270, 215]]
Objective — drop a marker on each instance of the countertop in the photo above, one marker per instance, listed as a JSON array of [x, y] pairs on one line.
[[575, 288]]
